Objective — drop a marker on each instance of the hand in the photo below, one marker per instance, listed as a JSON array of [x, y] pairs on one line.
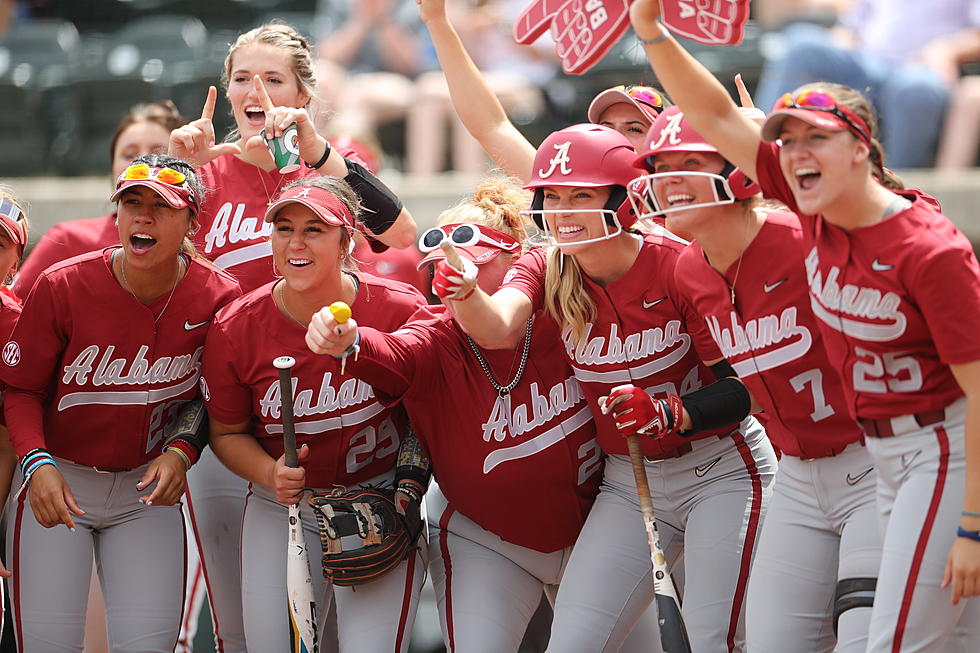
[[195, 142], [634, 411], [326, 336], [51, 498], [289, 482], [748, 108], [170, 473], [963, 569], [430, 10], [451, 283], [311, 144]]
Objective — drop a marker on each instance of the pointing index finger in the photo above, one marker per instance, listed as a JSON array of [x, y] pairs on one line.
[[208, 111], [263, 94], [743, 93]]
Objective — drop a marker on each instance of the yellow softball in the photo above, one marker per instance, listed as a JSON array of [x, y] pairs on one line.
[[340, 311]]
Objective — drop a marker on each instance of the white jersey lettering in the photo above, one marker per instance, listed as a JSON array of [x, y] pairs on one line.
[[504, 419], [120, 371], [328, 399], [759, 334], [227, 227]]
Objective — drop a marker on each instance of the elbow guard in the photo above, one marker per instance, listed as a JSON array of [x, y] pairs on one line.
[[381, 206], [723, 403]]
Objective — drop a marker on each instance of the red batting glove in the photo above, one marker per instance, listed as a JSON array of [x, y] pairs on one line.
[[637, 412], [450, 283]]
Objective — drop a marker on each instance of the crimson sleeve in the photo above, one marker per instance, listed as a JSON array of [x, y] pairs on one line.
[[48, 251], [226, 397], [527, 275], [947, 291], [30, 358], [694, 323], [387, 362]]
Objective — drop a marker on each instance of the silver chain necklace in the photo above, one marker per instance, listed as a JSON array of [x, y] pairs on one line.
[[156, 318], [505, 389]]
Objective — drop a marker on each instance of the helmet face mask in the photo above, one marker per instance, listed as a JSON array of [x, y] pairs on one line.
[[647, 205], [609, 221]]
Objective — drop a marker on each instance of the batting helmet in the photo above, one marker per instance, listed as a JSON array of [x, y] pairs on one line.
[[587, 156], [671, 132]]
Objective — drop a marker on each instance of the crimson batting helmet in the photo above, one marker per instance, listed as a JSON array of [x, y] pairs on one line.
[[586, 156], [671, 132]]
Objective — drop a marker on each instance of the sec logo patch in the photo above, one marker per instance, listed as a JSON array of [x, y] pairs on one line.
[[11, 353]]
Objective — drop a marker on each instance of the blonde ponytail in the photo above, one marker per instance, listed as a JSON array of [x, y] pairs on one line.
[[565, 296]]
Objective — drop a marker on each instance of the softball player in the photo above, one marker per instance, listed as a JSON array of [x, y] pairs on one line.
[[127, 317], [268, 79], [13, 239], [348, 437], [613, 293], [883, 267], [628, 109], [758, 312], [144, 130]]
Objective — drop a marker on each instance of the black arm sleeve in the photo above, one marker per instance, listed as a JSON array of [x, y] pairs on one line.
[[723, 403], [722, 369], [381, 206]]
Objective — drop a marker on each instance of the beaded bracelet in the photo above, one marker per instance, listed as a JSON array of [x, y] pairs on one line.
[[183, 456], [34, 459], [970, 535]]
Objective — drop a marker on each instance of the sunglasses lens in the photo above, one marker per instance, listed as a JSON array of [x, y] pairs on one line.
[[138, 171], [171, 176], [465, 234], [647, 95], [817, 100], [431, 239]]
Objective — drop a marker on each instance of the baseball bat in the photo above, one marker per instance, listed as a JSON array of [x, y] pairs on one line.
[[673, 632], [299, 584]]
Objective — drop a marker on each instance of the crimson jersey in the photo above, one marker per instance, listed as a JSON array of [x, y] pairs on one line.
[[97, 377], [898, 300], [232, 232], [522, 465], [352, 436], [771, 338], [63, 241], [645, 333]]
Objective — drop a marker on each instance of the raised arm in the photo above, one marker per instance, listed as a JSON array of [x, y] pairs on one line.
[[474, 101], [704, 101]]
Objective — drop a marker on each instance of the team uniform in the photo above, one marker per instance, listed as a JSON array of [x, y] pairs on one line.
[[517, 471], [882, 296], [97, 378], [9, 313], [353, 441], [709, 491], [822, 515]]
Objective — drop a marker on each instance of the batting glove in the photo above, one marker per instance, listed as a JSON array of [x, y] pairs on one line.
[[450, 283], [634, 411]]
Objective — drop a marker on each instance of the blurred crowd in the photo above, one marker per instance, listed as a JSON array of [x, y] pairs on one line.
[[379, 82]]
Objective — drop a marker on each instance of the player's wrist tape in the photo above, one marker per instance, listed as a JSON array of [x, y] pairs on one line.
[[34, 459], [353, 349], [411, 488], [184, 449], [970, 535], [323, 159]]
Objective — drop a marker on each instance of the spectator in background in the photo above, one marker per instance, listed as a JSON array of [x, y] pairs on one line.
[[960, 144], [369, 53], [905, 52], [514, 72], [776, 14]]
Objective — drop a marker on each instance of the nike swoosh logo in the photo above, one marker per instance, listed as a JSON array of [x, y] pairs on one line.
[[878, 266], [190, 327], [854, 480], [701, 470], [769, 287], [649, 305], [908, 459]]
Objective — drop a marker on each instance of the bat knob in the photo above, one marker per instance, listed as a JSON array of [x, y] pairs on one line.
[[341, 312], [284, 362]]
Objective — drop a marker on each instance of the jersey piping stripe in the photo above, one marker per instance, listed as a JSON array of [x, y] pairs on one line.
[[332, 423], [244, 255], [127, 398], [539, 442], [754, 514], [448, 568], [183, 577], [189, 621], [920, 546], [638, 372], [407, 598]]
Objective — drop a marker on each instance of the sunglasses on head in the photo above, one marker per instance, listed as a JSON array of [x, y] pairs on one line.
[[168, 176], [822, 101], [465, 235], [11, 213], [644, 94]]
